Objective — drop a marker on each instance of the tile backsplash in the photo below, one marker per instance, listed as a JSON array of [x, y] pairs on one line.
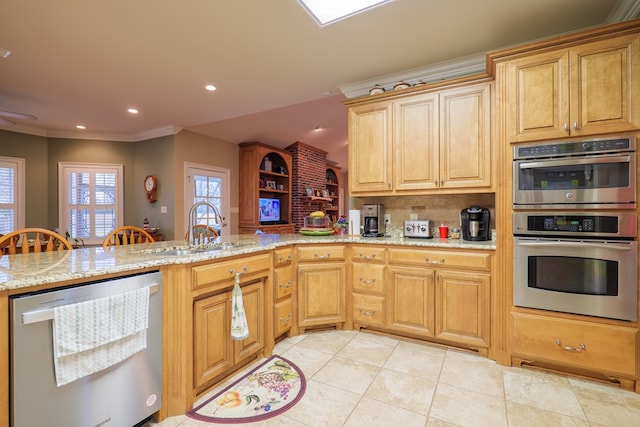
[[439, 209]]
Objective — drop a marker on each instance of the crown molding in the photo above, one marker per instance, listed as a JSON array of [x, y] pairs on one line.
[[118, 137], [468, 65]]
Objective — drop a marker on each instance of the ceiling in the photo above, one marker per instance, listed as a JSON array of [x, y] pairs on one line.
[[277, 72]]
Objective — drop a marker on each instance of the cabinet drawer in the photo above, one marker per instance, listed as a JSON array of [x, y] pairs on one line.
[[368, 309], [606, 347], [282, 256], [282, 282], [440, 258], [283, 312], [367, 277], [224, 271], [321, 253], [368, 253]]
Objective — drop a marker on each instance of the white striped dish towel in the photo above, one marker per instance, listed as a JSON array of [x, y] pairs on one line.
[[239, 327], [90, 336]]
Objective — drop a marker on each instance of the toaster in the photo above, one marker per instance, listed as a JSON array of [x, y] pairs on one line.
[[418, 228]]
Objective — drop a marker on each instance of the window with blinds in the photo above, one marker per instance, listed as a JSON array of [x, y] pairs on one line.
[[91, 204], [11, 194]]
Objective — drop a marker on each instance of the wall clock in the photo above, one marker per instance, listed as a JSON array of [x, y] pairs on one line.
[[151, 188]]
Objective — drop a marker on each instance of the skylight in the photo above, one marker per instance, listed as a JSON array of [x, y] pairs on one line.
[[327, 12]]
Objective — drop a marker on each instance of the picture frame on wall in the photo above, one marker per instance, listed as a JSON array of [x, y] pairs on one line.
[[309, 191], [325, 193]]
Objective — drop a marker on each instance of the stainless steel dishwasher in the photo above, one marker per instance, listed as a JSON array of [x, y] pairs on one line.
[[122, 395]]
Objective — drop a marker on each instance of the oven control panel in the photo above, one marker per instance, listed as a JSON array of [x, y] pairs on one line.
[[561, 223]]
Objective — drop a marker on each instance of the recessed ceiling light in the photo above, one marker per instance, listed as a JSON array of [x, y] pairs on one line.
[[210, 87], [80, 127], [133, 110], [327, 12]]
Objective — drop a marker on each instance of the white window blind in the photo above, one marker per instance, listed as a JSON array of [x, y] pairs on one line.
[[91, 200], [11, 194]]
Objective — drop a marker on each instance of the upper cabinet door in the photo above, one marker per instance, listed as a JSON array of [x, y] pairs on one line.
[[416, 143], [465, 137], [538, 104], [370, 139], [603, 81], [583, 90]]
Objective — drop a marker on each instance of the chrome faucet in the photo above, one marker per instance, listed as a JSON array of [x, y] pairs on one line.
[[192, 213]]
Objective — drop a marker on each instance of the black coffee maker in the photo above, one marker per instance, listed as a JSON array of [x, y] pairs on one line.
[[475, 223]]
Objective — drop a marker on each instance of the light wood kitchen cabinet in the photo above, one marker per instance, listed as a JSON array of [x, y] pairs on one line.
[[321, 286], [439, 141], [587, 89], [215, 353], [283, 286], [370, 148], [441, 294], [608, 349], [411, 300], [367, 286]]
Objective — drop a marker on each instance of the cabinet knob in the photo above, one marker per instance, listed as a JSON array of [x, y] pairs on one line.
[[321, 256], [367, 312], [365, 281], [285, 285], [434, 262], [566, 127], [367, 256]]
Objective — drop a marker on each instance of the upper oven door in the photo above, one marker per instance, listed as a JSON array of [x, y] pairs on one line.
[[593, 181]]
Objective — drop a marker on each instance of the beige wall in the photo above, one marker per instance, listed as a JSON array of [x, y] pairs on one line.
[[196, 148], [34, 149]]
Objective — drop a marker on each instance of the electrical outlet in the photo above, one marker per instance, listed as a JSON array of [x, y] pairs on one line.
[[413, 216], [387, 218]]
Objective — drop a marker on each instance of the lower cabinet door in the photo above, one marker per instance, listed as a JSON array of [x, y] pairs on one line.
[[410, 300], [253, 300], [321, 293], [213, 349], [463, 308]]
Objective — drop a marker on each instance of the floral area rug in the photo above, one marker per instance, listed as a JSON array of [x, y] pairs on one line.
[[268, 390]]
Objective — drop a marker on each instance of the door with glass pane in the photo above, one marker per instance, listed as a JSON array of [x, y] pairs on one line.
[[208, 184]]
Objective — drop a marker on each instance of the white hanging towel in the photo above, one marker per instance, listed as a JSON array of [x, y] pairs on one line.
[[90, 336], [239, 328]]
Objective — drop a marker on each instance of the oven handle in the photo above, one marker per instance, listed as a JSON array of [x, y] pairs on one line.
[[585, 161], [580, 244]]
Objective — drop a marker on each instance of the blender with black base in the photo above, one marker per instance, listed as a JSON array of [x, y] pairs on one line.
[[373, 220], [475, 223]]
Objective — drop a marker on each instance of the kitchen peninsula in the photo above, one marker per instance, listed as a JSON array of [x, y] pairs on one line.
[[196, 283]]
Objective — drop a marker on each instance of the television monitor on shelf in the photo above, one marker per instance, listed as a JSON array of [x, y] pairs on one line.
[[269, 210]]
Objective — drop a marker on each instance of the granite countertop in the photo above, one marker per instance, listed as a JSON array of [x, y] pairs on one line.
[[23, 271]]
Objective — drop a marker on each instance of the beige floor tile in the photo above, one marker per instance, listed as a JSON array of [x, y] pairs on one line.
[[415, 359], [433, 422], [543, 391], [327, 341], [606, 405], [526, 416], [378, 338], [324, 405], [467, 408], [366, 351], [472, 372], [402, 390], [309, 361], [347, 374], [373, 413]]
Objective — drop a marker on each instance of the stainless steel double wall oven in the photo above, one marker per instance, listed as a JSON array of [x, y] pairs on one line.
[[575, 227]]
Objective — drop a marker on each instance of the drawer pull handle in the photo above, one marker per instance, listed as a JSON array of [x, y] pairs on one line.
[[367, 282], [569, 348], [285, 285], [286, 319], [434, 262], [322, 256], [372, 256], [245, 269], [282, 259], [367, 312]]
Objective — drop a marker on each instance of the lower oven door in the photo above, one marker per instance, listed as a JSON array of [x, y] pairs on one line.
[[594, 278]]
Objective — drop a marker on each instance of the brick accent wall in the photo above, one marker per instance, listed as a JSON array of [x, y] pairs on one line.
[[309, 165]]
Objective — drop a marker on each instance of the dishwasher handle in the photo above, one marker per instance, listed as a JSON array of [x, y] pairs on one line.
[[47, 314]]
